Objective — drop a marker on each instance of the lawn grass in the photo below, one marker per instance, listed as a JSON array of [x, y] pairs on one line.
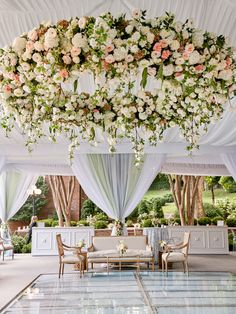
[[170, 208]]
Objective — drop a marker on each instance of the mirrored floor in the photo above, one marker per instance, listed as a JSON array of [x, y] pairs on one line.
[[130, 293]]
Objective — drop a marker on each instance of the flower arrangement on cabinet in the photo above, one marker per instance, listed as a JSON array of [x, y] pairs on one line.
[[122, 247], [192, 73]]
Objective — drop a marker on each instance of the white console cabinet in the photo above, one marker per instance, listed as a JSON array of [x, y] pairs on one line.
[[44, 239], [203, 240]]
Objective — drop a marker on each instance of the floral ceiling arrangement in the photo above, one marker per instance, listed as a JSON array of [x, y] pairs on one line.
[[150, 75]]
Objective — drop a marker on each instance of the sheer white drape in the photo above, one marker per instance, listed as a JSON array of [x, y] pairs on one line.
[[2, 164], [113, 182], [13, 192], [230, 163]]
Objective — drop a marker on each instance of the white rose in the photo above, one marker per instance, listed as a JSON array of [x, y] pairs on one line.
[[79, 41], [120, 54], [50, 42], [82, 22], [194, 57], [134, 49], [164, 33], [174, 45], [179, 61], [75, 51], [225, 75], [185, 34], [33, 35], [152, 71], [178, 68], [19, 45], [66, 59], [129, 58], [51, 33], [178, 26], [198, 38], [37, 57], [112, 34], [38, 46], [136, 13], [18, 92], [95, 58], [76, 59], [150, 37], [129, 29], [93, 43], [168, 70], [25, 66], [142, 116], [135, 36]]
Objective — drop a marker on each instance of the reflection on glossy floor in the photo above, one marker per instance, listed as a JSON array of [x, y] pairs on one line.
[[129, 292]]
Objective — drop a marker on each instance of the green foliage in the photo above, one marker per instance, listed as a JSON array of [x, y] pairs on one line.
[[147, 223], [177, 221], [203, 221], [89, 208], [26, 211], [143, 207], [26, 248], [156, 206], [231, 222], [55, 223], [231, 241], [18, 243], [212, 181], [215, 219], [82, 223], [100, 224], [47, 222], [134, 215], [164, 221], [176, 213], [73, 223], [161, 182], [129, 223], [211, 211], [228, 184], [101, 216], [168, 198]]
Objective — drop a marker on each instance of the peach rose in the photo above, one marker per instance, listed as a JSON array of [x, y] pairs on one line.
[[185, 55], [165, 54], [199, 67], [189, 48], [157, 47], [163, 43], [29, 46], [7, 89], [64, 73]]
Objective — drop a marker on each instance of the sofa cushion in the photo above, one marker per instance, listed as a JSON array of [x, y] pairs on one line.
[[110, 243]]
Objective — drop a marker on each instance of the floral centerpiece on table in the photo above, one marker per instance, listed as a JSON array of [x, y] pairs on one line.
[[191, 71], [81, 244], [122, 247]]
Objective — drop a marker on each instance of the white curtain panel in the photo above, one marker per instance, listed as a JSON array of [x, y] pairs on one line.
[[230, 163], [13, 192], [113, 182], [2, 163]]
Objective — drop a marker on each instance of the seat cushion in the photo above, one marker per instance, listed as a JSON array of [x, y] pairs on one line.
[[114, 253], [70, 259], [174, 257]]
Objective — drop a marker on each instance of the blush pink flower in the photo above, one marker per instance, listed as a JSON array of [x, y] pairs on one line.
[[199, 67], [228, 61], [185, 55], [157, 47], [64, 73], [189, 48], [165, 54], [163, 43], [29, 46], [7, 89], [178, 74], [109, 48]]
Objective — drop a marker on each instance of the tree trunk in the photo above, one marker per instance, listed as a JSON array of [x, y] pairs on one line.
[[62, 197], [184, 189], [200, 212], [212, 194]]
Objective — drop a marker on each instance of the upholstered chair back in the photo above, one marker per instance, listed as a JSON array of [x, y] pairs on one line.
[[60, 245]]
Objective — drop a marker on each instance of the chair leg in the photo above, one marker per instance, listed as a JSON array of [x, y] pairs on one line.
[[166, 264], [63, 265], [59, 270], [184, 266], [80, 269], [162, 265], [12, 255], [153, 264]]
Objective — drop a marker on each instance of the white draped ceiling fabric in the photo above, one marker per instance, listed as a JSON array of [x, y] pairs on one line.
[[219, 16], [13, 192], [114, 183]]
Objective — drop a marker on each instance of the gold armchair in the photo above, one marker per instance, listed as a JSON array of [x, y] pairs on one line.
[[5, 247], [176, 253], [69, 259]]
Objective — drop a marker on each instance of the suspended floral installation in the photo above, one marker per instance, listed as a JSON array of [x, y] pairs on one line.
[[150, 75]]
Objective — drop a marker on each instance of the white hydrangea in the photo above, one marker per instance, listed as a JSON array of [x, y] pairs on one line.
[[19, 45]]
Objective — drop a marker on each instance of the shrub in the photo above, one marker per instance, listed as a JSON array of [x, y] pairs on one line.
[[101, 216], [18, 243], [156, 206], [89, 208], [47, 222], [129, 223], [228, 183], [143, 207], [161, 182], [215, 219], [231, 222], [211, 211], [26, 248], [163, 221], [147, 223], [55, 223], [100, 224], [231, 241], [177, 220], [73, 223], [203, 221], [134, 215], [168, 198], [195, 222], [176, 213], [82, 223]]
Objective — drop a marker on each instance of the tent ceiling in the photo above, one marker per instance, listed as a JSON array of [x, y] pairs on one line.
[[218, 16]]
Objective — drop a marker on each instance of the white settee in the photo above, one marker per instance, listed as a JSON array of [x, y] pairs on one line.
[[104, 250]]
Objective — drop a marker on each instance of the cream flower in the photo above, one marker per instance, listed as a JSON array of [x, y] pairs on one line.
[[19, 45], [82, 22]]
